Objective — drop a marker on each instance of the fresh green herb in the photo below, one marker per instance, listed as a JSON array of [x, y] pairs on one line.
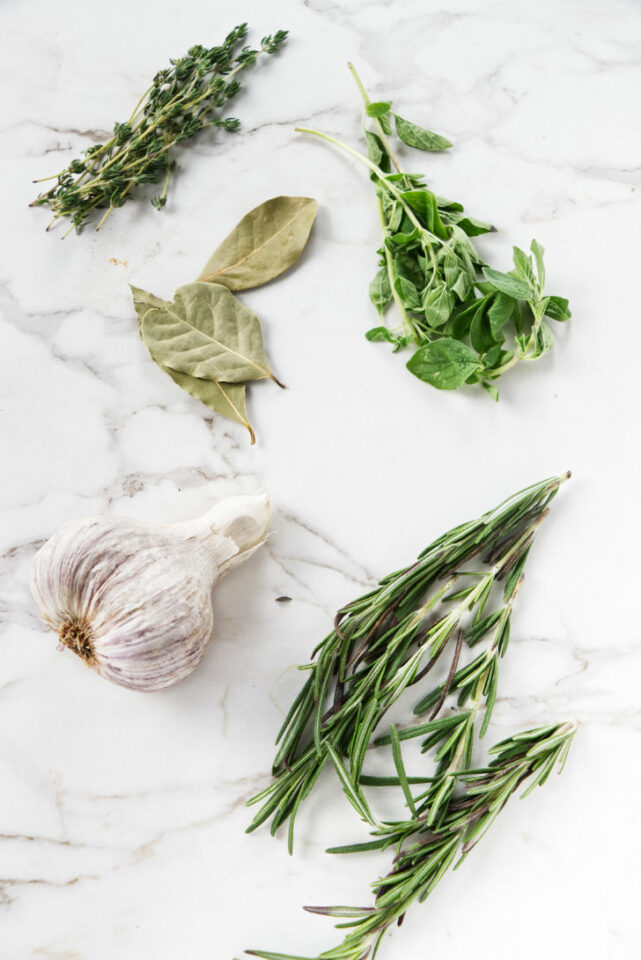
[[182, 100], [426, 852], [381, 644], [390, 639], [468, 322], [206, 339]]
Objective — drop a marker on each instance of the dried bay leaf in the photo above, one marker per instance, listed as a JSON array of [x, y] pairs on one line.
[[267, 241], [227, 399], [144, 301], [206, 340], [208, 334]]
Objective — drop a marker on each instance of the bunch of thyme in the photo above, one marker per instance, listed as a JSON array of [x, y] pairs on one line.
[[182, 100], [384, 643]]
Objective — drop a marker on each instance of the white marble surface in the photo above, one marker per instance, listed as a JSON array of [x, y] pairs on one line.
[[121, 815]]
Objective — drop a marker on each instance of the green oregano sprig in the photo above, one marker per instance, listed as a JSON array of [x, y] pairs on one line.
[[390, 639], [468, 322], [182, 100]]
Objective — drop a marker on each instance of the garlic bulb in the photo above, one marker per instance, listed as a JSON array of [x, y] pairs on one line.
[[134, 600]]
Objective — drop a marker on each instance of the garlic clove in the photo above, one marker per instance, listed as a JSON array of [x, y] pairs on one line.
[[133, 600]]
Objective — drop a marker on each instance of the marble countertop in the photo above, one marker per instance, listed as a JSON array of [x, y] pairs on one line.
[[121, 815]]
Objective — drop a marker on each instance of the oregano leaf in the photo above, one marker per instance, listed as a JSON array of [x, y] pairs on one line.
[[463, 286], [558, 309], [481, 335], [380, 334], [474, 227], [438, 305], [505, 283], [380, 291], [424, 203], [538, 252], [501, 309], [378, 109], [491, 389], [418, 137], [386, 124], [523, 267], [445, 363], [375, 149], [407, 292], [544, 340]]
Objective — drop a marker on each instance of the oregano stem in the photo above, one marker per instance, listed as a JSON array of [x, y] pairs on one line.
[[377, 123], [389, 186]]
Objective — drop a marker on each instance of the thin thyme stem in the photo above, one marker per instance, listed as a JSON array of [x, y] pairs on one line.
[[166, 184]]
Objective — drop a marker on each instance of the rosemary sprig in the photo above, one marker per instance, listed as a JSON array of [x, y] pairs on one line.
[[389, 639], [427, 852], [453, 308], [182, 100]]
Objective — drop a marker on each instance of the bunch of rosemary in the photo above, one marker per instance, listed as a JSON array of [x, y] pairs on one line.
[[182, 100], [469, 323], [459, 593]]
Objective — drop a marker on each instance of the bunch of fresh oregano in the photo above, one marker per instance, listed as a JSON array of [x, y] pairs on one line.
[[457, 596], [182, 100], [469, 322], [206, 340]]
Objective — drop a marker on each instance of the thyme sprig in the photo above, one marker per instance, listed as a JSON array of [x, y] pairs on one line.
[[390, 639], [426, 852], [467, 322], [182, 100]]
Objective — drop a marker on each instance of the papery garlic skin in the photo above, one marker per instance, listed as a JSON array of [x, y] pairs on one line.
[[134, 600]]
